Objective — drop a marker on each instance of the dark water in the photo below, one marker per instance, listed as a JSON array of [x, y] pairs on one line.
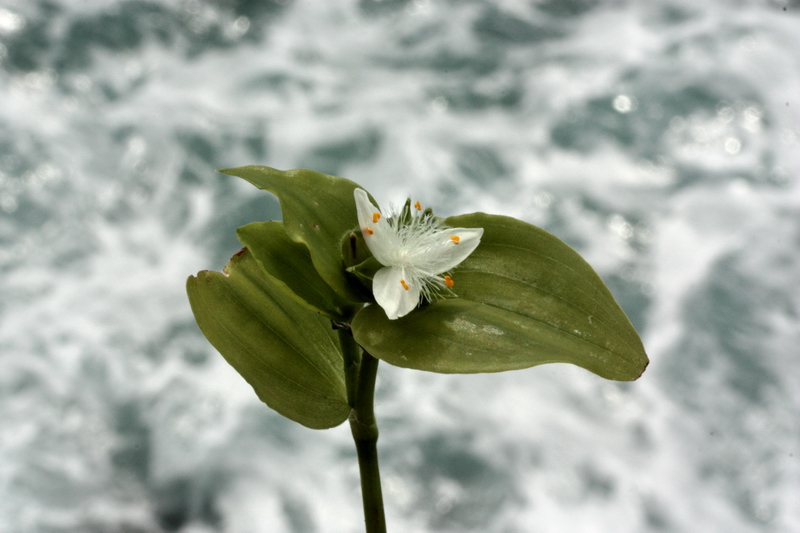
[[660, 139]]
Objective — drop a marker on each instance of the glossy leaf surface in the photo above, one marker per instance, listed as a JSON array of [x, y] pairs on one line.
[[525, 298], [288, 353], [290, 263], [318, 211]]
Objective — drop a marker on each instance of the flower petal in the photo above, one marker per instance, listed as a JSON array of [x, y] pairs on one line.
[[456, 245], [364, 207], [378, 234], [395, 292]]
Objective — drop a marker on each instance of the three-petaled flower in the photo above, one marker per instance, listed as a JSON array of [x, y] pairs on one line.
[[416, 249]]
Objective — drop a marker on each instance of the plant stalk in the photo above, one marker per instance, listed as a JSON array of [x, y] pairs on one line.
[[352, 361], [365, 433]]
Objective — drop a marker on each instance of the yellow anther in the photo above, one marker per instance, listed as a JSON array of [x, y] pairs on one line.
[[418, 206], [404, 284], [376, 217], [455, 238], [369, 231], [449, 282]]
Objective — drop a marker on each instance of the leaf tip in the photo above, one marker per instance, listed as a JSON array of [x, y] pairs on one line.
[[227, 171], [644, 367], [202, 276]]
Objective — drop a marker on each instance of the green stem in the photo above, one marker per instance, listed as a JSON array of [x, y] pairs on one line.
[[352, 361], [365, 433]]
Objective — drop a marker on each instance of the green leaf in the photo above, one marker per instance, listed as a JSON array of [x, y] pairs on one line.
[[365, 271], [318, 211], [290, 262], [289, 354], [525, 298]]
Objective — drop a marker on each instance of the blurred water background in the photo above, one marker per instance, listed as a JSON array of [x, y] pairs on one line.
[[660, 139]]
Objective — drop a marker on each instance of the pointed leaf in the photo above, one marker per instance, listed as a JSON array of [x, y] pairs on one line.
[[288, 353], [524, 298], [318, 211], [290, 262]]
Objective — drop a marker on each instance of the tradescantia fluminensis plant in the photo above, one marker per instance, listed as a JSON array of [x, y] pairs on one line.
[[308, 307]]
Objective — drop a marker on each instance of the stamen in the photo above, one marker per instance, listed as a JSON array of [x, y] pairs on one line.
[[376, 217], [418, 206], [455, 238], [404, 284], [369, 230], [449, 282]]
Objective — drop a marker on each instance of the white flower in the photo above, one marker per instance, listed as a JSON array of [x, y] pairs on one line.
[[415, 250]]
